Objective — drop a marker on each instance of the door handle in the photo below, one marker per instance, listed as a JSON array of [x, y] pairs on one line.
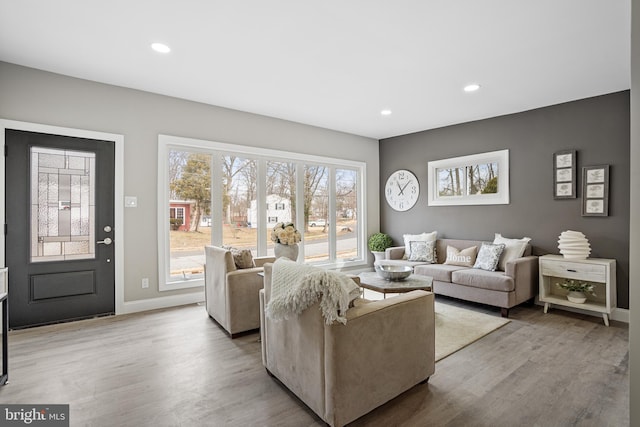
[[107, 241]]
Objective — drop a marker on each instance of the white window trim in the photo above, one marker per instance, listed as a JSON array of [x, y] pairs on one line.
[[166, 142]]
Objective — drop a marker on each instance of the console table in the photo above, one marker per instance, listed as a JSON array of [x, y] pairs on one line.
[[600, 272]]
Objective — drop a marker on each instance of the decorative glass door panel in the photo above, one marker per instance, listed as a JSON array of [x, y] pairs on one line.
[[62, 204]]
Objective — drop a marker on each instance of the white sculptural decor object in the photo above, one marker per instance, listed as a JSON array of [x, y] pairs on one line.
[[574, 245]]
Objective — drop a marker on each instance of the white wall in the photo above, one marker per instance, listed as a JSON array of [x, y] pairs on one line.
[[634, 252], [36, 96]]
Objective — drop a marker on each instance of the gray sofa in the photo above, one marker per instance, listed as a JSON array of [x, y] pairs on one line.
[[504, 289]]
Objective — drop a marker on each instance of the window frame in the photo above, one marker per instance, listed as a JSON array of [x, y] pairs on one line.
[[262, 155]]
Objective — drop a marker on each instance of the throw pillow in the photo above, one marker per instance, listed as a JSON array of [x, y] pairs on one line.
[[422, 251], [242, 258], [488, 256], [463, 258], [424, 237], [514, 248]]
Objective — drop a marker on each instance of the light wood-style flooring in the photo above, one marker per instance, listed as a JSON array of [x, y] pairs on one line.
[[176, 367]]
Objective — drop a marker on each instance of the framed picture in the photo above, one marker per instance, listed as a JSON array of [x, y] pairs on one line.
[[564, 174], [595, 190]]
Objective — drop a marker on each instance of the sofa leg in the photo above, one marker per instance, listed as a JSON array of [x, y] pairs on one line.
[[504, 312]]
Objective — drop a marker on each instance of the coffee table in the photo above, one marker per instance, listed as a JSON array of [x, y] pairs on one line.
[[371, 280]]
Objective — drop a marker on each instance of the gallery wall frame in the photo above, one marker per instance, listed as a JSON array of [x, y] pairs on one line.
[[595, 190], [477, 179], [564, 174]]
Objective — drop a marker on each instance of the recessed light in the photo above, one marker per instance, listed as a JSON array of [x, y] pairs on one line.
[[160, 47], [386, 112], [471, 87]]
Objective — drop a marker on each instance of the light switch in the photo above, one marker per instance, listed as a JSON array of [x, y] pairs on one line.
[[130, 202]]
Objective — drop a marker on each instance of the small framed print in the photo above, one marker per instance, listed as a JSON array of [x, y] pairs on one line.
[[595, 190], [564, 174]]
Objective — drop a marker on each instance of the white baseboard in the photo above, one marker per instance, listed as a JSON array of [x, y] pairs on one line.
[[618, 314], [162, 302]]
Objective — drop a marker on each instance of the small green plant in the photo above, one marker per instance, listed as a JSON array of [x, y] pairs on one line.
[[175, 223], [378, 242], [572, 285]]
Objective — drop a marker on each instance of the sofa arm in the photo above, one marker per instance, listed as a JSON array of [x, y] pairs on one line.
[[524, 272], [262, 260], [396, 252], [386, 347]]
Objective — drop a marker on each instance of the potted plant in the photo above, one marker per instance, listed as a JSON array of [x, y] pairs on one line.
[[577, 290], [377, 244]]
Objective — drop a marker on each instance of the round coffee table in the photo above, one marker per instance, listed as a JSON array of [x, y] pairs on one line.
[[371, 280]]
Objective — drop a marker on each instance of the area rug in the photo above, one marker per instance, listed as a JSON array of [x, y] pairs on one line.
[[457, 327]]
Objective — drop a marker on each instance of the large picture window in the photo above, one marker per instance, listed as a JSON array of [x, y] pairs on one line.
[[213, 191]]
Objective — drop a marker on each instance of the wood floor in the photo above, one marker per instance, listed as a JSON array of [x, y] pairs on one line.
[[176, 367]]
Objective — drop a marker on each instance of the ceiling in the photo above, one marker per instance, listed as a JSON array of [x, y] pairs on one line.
[[335, 63]]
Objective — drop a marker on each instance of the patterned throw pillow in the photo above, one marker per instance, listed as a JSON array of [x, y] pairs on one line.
[[422, 251], [488, 256], [242, 258], [463, 258], [423, 237]]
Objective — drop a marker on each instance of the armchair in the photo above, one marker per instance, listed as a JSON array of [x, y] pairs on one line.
[[231, 294], [342, 372]]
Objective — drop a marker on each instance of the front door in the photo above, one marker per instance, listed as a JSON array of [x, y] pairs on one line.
[[59, 227]]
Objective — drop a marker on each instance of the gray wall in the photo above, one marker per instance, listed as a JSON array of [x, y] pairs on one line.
[[36, 96], [634, 276], [598, 128]]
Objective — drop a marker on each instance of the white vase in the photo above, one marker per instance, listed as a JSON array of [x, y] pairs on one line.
[[577, 297], [574, 245], [378, 256], [286, 251]]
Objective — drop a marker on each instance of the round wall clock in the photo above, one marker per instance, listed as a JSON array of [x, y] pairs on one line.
[[402, 190]]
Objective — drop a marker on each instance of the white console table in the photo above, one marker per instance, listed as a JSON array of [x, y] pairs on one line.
[[600, 272]]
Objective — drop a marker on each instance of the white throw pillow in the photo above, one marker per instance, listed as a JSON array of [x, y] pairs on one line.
[[514, 248], [424, 237]]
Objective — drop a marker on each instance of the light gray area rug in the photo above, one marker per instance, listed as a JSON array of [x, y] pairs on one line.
[[457, 327]]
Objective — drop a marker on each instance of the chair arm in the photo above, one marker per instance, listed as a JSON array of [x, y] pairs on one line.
[[396, 252], [261, 260], [386, 347], [524, 272]]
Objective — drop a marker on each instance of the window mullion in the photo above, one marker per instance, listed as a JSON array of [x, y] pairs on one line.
[[332, 215], [216, 198], [261, 198], [300, 206]]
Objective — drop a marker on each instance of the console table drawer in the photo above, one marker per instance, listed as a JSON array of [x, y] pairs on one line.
[[575, 270]]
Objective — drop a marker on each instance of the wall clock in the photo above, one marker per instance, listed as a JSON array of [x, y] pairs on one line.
[[402, 190]]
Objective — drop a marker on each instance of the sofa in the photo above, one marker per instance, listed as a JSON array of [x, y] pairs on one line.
[[517, 283], [343, 371]]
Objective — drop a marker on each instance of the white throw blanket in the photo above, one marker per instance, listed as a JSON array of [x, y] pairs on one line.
[[295, 287]]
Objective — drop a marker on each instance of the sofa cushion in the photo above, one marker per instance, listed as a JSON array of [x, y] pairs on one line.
[[488, 256], [514, 248], [464, 258], [422, 251], [439, 272], [493, 280], [423, 237]]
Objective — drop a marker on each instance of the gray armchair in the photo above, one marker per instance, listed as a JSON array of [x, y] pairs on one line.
[[342, 372], [232, 294]]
